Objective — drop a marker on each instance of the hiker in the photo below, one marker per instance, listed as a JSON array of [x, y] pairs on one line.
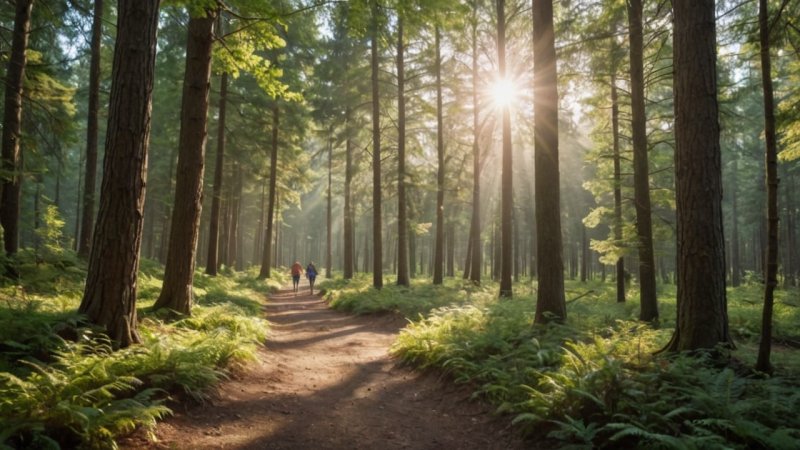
[[297, 269], [311, 274]]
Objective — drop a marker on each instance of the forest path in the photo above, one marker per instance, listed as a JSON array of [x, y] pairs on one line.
[[325, 380]]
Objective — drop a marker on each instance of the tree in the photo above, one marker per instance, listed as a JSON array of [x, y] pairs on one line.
[[87, 218], [12, 124], [765, 347], [475, 223], [213, 230], [620, 265], [271, 196], [549, 264], [109, 297], [402, 220], [377, 248], [641, 172], [176, 292], [506, 190], [438, 259], [702, 311]]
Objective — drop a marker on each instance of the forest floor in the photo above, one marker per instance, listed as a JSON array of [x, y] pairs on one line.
[[325, 380]]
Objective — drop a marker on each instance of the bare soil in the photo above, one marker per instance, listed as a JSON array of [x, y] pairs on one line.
[[325, 380]]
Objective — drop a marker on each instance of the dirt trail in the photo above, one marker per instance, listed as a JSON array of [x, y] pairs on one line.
[[326, 381]]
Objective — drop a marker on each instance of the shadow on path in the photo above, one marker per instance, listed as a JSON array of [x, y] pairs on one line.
[[325, 380]]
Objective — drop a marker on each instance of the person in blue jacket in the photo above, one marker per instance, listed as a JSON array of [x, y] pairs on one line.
[[311, 274]]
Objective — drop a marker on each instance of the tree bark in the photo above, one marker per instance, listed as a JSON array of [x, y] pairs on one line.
[[641, 171], [273, 175], [402, 221], [506, 187], [377, 249], [702, 314], [329, 213], [236, 207], [109, 298], [87, 218], [765, 347], [176, 292], [549, 260], [620, 266], [438, 258], [475, 226], [212, 265], [736, 266], [12, 126], [349, 244]]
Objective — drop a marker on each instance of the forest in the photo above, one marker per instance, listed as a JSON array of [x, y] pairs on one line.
[[584, 212]]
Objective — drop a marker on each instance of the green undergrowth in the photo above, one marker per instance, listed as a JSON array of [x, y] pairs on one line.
[[358, 296], [62, 385], [594, 382]]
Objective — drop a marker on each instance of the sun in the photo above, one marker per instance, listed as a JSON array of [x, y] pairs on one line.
[[503, 92]]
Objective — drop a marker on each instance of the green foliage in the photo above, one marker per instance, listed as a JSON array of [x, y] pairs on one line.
[[61, 385], [594, 381], [358, 296]]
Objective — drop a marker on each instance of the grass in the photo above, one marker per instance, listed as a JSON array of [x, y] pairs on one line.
[[594, 381], [61, 385]]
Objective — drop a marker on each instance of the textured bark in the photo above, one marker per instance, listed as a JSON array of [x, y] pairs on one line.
[[641, 171], [236, 208], [620, 266], [377, 249], [475, 225], [259, 234], [212, 264], [506, 187], [109, 298], [176, 292], [451, 250], [87, 218], [549, 259], [736, 265], [12, 126], [329, 213], [702, 319], [402, 222], [349, 241], [273, 175], [765, 347], [438, 258]]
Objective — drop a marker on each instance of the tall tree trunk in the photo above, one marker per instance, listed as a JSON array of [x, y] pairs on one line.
[[213, 228], [87, 219], [765, 347], [236, 206], [736, 266], [702, 319], [377, 249], [176, 292], [12, 126], [475, 225], [620, 266], [451, 250], [78, 202], [259, 233], [584, 255], [349, 235], [641, 171], [506, 189], [550, 265], [329, 214], [438, 258], [402, 221], [273, 175], [109, 297]]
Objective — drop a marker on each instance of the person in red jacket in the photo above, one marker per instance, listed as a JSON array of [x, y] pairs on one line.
[[297, 270]]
